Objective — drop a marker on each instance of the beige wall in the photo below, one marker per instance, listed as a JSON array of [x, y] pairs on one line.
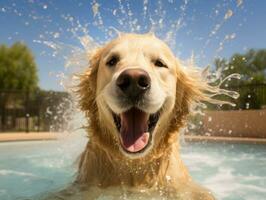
[[245, 123]]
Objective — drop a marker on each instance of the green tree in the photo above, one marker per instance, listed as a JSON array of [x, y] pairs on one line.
[[252, 68], [18, 70]]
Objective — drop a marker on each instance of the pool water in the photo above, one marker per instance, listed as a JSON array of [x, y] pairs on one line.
[[231, 171]]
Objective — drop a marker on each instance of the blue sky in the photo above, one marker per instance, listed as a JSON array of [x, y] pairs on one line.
[[207, 28]]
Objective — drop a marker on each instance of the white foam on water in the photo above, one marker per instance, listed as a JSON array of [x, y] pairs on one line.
[[69, 146], [2, 192], [226, 183], [196, 159], [7, 172]]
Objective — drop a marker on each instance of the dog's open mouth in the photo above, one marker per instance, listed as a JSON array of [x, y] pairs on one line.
[[135, 128]]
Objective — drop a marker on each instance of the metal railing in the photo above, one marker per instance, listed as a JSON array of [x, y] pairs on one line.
[[51, 111], [33, 111], [252, 96]]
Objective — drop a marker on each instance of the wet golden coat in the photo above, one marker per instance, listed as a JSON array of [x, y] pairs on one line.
[[103, 165]]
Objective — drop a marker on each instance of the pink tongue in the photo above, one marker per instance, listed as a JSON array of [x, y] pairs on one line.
[[133, 130]]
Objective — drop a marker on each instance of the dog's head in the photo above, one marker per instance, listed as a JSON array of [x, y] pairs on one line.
[[136, 95]]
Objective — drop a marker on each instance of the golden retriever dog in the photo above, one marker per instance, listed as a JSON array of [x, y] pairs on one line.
[[136, 97]]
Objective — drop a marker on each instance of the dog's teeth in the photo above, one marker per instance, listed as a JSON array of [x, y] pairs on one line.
[[153, 120], [117, 121]]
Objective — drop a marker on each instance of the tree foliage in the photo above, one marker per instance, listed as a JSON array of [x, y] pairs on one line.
[[18, 70], [252, 68]]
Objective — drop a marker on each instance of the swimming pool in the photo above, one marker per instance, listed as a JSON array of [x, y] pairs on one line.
[[231, 171]]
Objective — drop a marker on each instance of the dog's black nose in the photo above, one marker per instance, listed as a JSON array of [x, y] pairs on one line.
[[133, 82]]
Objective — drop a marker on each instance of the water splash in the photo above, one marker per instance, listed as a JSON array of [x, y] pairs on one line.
[[213, 78], [228, 14], [153, 16], [239, 3], [167, 19]]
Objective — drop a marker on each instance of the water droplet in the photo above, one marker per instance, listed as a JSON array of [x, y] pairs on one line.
[[207, 134], [232, 36], [95, 9], [71, 19], [239, 3], [56, 35], [228, 14], [114, 12], [168, 178]]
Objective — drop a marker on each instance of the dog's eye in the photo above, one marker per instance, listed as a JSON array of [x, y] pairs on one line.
[[159, 63], [112, 61]]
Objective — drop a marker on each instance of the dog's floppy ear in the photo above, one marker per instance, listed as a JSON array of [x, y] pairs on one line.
[[87, 86], [191, 88]]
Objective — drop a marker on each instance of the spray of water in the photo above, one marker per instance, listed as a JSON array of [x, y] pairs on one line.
[[166, 19], [154, 18]]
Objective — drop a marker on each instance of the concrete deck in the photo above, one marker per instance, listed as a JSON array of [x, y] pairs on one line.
[[194, 138], [12, 137]]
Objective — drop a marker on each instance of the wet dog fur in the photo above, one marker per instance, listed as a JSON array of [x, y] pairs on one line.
[[104, 163]]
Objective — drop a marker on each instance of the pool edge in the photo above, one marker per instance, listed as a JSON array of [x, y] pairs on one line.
[[196, 138], [15, 137]]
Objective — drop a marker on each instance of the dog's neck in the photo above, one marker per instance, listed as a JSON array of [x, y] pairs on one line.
[[102, 168]]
